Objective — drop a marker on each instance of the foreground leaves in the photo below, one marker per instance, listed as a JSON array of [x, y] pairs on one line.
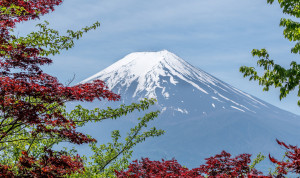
[[286, 79], [221, 166], [115, 155]]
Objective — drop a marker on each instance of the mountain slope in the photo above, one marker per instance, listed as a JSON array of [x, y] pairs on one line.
[[201, 114], [161, 75]]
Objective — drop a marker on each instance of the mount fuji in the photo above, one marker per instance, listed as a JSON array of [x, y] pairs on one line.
[[201, 114]]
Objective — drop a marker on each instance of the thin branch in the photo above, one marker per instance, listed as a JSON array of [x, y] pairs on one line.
[[71, 80], [126, 147], [31, 144]]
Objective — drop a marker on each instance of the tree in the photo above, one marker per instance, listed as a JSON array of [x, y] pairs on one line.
[[287, 79], [220, 165], [292, 162], [114, 155], [32, 114], [29, 98]]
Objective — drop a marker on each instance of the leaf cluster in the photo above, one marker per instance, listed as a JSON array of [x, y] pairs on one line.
[[221, 165], [115, 155], [286, 79], [50, 40]]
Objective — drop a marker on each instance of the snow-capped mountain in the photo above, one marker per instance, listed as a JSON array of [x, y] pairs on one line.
[[161, 74], [201, 114]]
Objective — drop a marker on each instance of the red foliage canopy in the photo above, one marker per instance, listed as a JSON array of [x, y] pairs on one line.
[[146, 168], [51, 164], [223, 165], [26, 92], [218, 166], [293, 164]]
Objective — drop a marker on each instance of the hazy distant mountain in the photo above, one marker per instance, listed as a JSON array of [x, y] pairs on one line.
[[201, 114]]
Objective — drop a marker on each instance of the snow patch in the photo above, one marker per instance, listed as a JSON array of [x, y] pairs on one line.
[[237, 108], [172, 80], [234, 102], [163, 109], [245, 94], [215, 98], [184, 111], [166, 95]]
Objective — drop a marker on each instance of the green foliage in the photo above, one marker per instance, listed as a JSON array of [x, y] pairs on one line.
[[274, 172], [50, 40], [81, 116], [290, 7], [115, 155], [106, 157], [13, 9], [275, 75], [21, 139], [259, 158]]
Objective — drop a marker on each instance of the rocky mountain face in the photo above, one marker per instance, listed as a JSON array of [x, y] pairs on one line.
[[201, 114]]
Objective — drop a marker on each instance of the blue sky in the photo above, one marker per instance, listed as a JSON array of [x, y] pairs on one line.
[[216, 36]]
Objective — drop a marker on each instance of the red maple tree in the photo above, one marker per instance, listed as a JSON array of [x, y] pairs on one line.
[[26, 93], [218, 166], [291, 164]]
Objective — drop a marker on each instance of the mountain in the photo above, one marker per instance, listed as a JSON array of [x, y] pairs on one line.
[[201, 114]]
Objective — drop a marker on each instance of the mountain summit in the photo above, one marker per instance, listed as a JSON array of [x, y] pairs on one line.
[[161, 74], [145, 68], [201, 114]]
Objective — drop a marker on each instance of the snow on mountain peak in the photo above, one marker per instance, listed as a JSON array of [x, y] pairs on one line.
[[139, 62], [143, 62], [149, 72], [146, 67]]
